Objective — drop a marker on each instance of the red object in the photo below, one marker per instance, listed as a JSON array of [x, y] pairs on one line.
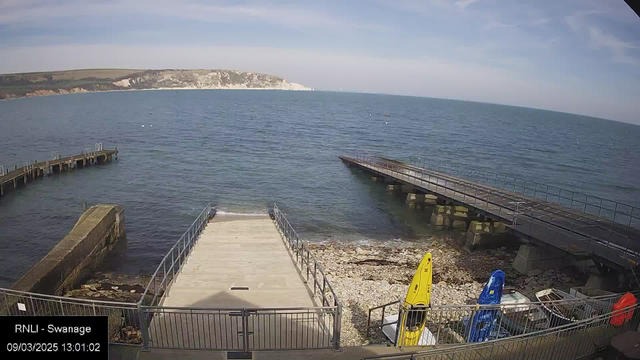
[[626, 301]]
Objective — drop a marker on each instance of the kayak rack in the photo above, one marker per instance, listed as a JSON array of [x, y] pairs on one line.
[[450, 324]]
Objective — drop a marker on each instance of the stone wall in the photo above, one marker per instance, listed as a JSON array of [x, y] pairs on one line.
[[77, 254]]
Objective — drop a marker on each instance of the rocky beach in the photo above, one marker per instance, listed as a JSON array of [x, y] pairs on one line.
[[368, 276], [108, 286]]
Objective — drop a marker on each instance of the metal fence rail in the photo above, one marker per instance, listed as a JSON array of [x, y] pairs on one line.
[[124, 320], [309, 267], [241, 329], [531, 219], [232, 329], [570, 341], [451, 324], [173, 260]]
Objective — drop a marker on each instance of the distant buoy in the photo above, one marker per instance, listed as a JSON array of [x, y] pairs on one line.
[[386, 122], [142, 125], [150, 125]]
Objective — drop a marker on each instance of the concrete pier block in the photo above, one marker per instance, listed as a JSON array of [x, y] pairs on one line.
[[415, 205], [393, 187], [479, 227], [531, 257], [459, 224], [376, 178], [430, 199], [440, 209], [498, 227], [412, 197], [437, 220]]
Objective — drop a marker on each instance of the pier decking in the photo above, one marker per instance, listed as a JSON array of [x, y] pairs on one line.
[[241, 283], [583, 233], [239, 262], [22, 175]]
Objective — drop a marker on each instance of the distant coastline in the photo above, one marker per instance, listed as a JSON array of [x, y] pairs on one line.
[[22, 85], [157, 89]]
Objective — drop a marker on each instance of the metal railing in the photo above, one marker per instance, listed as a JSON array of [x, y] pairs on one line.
[[530, 219], [241, 329], [570, 341], [451, 324], [124, 320], [309, 268], [173, 260], [54, 156], [599, 207], [127, 321], [234, 329]]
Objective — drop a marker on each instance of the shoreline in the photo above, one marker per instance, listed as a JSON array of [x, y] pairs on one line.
[[123, 90], [366, 276]]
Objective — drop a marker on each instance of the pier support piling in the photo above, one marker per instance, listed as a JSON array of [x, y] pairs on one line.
[[449, 216], [532, 258]]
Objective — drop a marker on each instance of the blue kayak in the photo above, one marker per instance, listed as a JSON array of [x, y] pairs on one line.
[[484, 320]]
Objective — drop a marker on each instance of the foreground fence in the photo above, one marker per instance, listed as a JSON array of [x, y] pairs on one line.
[[241, 329], [461, 324], [567, 342], [124, 318]]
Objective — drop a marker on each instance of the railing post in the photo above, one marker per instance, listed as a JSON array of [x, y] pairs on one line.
[[324, 287], [315, 276], [245, 330], [337, 325], [144, 330], [307, 266], [400, 327]]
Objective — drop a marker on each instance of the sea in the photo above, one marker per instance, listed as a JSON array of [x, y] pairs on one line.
[[245, 150]]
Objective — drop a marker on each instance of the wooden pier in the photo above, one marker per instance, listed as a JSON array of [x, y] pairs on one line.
[[584, 233], [22, 175]]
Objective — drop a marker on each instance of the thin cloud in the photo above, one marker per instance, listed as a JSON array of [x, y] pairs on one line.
[[619, 49], [493, 24], [463, 4], [598, 39], [30, 13], [539, 21]]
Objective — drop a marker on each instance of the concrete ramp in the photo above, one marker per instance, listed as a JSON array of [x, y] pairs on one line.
[[239, 290], [239, 261]]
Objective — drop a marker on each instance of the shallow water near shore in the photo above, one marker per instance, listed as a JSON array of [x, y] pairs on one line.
[[245, 150]]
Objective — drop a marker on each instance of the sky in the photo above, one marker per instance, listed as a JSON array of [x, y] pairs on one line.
[[578, 56]]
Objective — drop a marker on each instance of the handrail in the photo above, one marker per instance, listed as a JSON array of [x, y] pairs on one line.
[[495, 179], [304, 256], [186, 241], [576, 326], [510, 210], [600, 301]]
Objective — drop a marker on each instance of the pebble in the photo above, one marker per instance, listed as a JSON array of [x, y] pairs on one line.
[[458, 278]]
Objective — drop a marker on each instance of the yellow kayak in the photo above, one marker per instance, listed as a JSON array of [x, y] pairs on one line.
[[418, 298]]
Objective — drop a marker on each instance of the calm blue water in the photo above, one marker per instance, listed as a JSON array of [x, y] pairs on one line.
[[244, 150]]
